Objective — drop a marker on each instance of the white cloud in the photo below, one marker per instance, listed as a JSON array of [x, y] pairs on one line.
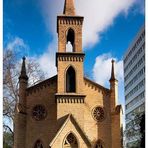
[[102, 74], [50, 9], [102, 69], [98, 15], [47, 60], [17, 44]]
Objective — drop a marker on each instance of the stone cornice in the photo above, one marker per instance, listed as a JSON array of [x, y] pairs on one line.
[[69, 98], [69, 56], [69, 20]]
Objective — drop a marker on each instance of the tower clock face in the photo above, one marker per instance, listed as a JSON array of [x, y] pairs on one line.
[[98, 113], [39, 112]]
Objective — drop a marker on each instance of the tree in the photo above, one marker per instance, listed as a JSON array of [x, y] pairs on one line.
[[142, 130], [134, 130], [11, 72], [8, 139]]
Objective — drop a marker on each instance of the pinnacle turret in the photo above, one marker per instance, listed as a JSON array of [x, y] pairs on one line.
[[112, 72], [23, 74]]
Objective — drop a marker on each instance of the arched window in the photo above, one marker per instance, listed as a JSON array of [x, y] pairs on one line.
[[70, 80], [99, 144], [70, 141], [70, 47], [38, 144]]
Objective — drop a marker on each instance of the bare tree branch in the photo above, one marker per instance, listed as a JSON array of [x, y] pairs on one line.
[[11, 72], [7, 127]]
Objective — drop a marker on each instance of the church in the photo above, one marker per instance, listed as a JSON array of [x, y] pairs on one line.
[[68, 110]]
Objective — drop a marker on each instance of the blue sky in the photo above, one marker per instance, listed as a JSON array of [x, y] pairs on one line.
[[109, 27]]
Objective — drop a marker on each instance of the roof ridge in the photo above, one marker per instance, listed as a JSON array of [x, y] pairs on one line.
[[85, 136], [96, 84], [60, 130], [44, 81]]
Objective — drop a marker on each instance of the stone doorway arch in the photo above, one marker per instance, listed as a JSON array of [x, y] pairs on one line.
[[38, 144], [99, 144]]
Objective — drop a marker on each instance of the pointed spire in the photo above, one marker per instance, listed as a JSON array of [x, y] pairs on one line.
[[23, 70], [112, 72], [69, 8]]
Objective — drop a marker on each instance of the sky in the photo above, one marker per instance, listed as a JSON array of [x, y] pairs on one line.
[[29, 27]]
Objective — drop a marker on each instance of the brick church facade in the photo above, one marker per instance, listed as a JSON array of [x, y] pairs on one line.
[[68, 110]]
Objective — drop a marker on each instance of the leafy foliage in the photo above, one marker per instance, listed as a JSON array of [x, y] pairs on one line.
[[142, 130], [135, 130], [8, 139]]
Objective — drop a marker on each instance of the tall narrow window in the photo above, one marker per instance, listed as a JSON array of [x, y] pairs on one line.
[[70, 47], [70, 141], [38, 144], [70, 80]]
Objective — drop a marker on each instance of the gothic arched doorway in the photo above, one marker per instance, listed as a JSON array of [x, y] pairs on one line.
[[70, 141], [38, 144], [99, 144]]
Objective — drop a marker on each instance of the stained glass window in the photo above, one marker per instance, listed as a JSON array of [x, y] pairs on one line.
[[70, 141]]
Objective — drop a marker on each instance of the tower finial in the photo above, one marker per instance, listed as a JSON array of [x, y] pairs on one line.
[[69, 8], [23, 74], [112, 71]]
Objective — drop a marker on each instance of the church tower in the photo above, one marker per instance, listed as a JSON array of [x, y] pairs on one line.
[[68, 109], [70, 81], [69, 63]]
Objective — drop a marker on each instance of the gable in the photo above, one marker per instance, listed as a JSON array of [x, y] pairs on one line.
[[70, 126]]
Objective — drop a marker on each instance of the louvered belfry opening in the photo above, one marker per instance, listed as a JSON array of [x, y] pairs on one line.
[[71, 38], [70, 80]]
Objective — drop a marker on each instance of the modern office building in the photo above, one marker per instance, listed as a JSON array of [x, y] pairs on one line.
[[134, 80]]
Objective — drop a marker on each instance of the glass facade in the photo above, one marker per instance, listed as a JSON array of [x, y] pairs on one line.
[[134, 78]]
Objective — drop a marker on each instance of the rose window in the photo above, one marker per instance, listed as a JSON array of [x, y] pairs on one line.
[[98, 113], [39, 112]]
